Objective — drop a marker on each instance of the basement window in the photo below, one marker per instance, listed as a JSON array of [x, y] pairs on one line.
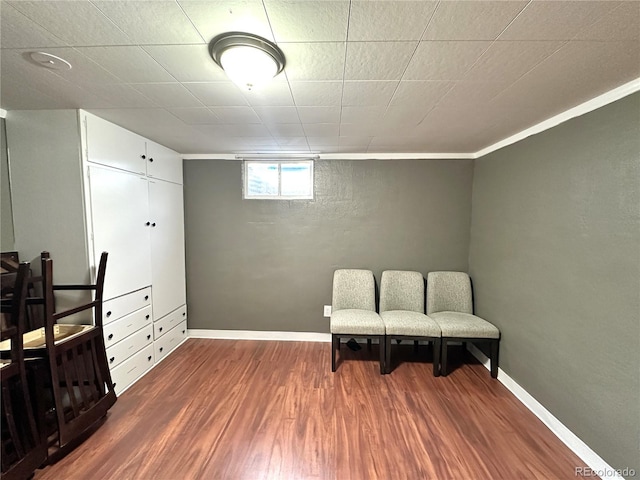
[[278, 179]]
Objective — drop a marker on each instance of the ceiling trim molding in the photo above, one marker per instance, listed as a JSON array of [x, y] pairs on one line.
[[577, 111], [334, 156], [590, 105], [3, 113]]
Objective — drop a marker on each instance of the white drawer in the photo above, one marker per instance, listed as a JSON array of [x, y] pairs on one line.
[[170, 340], [121, 329], [169, 321], [130, 345], [120, 306], [131, 369]]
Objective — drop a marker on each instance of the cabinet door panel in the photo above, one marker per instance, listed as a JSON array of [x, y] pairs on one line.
[[111, 145], [119, 213], [163, 163], [167, 247]]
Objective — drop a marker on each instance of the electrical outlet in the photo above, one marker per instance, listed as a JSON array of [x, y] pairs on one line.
[[327, 310]]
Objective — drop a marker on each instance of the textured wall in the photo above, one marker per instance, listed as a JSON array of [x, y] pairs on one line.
[[268, 265], [6, 226], [555, 260]]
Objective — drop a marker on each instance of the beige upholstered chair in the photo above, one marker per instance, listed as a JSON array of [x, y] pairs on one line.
[[402, 311], [353, 311], [450, 304]]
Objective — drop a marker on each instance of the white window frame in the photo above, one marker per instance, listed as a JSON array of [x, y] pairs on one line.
[[279, 196]]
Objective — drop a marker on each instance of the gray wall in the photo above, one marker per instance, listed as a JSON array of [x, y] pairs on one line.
[[555, 260], [6, 218], [268, 265]]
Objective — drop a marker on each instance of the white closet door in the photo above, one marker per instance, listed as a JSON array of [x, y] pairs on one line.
[[119, 215], [111, 145], [163, 163], [167, 247]]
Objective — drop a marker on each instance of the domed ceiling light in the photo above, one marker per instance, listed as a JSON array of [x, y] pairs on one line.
[[248, 60]]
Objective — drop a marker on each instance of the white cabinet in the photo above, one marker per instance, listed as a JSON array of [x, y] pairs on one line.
[[82, 185]]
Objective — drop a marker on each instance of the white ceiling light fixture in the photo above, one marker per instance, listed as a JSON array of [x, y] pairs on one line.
[[248, 60]]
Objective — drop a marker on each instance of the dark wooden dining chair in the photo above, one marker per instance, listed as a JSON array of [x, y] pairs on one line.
[[23, 444]]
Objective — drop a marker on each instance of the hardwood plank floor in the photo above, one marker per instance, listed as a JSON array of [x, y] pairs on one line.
[[226, 409]]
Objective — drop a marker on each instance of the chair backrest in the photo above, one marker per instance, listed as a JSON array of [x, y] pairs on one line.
[[353, 289], [402, 290], [449, 291]]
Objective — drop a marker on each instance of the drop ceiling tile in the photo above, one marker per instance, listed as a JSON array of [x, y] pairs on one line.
[[213, 18], [15, 95], [314, 61], [319, 114], [465, 94], [403, 117], [622, 23], [293, 142], [389, 20], [217, 93], [195, 116], [557, 20], [477, 20], [18, 31], [187, 63], [277, 114], [357, 142], [507, 61], [317, 143], [69, 21], [235, 130], [275, 94], [130, 64], [122, 96], [377, 60], [364, 115], [321, 129], [323, 94], [308, 21], [423, 94], [150, 22], [286, 130], [369, 93], [168, 94], [360, 129], [435, 60], [236, 114], [259, 141]]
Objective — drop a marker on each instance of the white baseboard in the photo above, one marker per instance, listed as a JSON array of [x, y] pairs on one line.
[[259, 335], [577, 446]]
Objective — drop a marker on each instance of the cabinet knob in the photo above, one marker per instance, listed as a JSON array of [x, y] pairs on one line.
[[109, 313], [149, 358], [147, 317], [153, 224], [148, 223], [161, 348], [143, 156], [184, 313], [183, 332], [146, 297], [160, 329], [151, 159], [110, 336], [112, 359], [148, 337]]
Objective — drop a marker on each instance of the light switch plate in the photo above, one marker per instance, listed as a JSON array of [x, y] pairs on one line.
[[327, 310]]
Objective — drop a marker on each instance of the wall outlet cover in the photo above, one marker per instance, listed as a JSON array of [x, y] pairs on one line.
[[327, 310]]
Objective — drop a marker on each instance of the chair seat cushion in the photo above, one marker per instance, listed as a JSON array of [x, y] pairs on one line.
[[464, 325], [412, 324], [356, 322]]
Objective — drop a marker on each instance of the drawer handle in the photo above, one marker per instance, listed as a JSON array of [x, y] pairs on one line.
[[149, 358], [110, 336], [112, 359], [160, 329], [147, 317], [161, 348], [109, 313], [146, 297], [148, 337]]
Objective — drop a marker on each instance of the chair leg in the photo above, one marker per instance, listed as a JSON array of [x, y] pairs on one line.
[[381, 344], [495, 344], [335, 346], [436, 357], [387, 347], [443, 359]]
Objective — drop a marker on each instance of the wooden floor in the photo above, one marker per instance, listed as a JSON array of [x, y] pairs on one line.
[[225, 409]]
